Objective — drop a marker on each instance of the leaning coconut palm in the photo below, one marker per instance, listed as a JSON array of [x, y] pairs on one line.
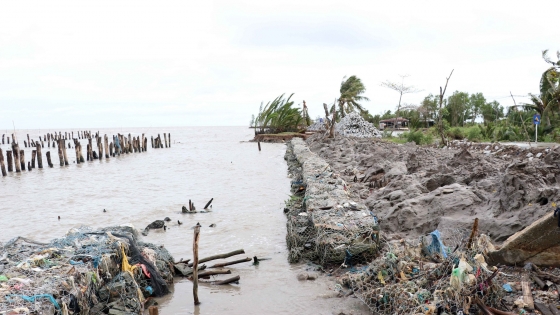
[[351, 91], [279, 116]]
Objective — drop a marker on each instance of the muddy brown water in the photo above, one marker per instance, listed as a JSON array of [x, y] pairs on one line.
[[248, 187]]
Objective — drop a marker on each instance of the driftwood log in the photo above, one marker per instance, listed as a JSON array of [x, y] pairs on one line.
[[220, 256], [228, 281], [231, 263]]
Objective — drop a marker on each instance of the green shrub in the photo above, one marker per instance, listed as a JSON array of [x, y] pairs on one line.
[[456, 133], [474, 134], [417, 137]]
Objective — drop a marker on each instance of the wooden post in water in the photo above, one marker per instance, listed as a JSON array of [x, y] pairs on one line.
[[129, 144], [165, 139], [145, 144], [106, 140], [111, 153], [76, 149], [22, 159], [195, 264], [28, 139], [80, 151], [2, 166], [49, 159], [64, 151], [100, 147], [90, 149], [33, 155], [60, 156], [15, 151], [10, 160], [39, 157], [29, 166], [3, 138], [25, 143], [152, 142], [259, 143]]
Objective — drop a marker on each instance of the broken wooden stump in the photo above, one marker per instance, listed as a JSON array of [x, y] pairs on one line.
[[60, 156], [15, 151], [49, 163], [33, 156], [208, 204], [39, 157], [64, 151], [22, 159], [2, 166], [9, 160]]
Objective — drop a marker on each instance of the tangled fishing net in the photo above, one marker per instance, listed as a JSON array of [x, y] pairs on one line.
[[426, 277], [86, 272]]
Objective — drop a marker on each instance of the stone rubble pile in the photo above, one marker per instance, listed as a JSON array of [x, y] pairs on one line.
[[353, 125], [318, 125]]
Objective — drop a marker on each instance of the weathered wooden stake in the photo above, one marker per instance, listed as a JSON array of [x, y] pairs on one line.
[[39, 157], [145, 144], [2, 166], [49, 159], [10, 160], [90, 149], [100, 147], [76, 150], [25, 143], [169, 138], [15, 151], [195, 264], [22, 159], [106, 140], [33, 156], [28, 139], [60, 155], [165, 139], [29, 166], [111, 149], [152, 142], [259, 143], [64, 151]]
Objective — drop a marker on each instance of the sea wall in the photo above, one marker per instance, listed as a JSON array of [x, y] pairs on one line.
[[325, 225]]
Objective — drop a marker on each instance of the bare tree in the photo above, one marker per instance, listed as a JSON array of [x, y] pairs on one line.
[[440, 120], [401, 89]]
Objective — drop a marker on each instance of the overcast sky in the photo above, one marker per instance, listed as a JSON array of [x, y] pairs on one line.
[[166, 63]]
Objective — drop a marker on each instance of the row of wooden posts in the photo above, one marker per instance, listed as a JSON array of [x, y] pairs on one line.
[[120, 145]]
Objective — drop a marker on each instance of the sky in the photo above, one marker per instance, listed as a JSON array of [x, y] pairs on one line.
[[80, 64]]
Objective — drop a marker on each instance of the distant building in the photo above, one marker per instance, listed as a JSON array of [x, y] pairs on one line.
[[391, 122]]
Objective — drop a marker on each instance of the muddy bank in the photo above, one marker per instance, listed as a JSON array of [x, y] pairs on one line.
[[414, 190]]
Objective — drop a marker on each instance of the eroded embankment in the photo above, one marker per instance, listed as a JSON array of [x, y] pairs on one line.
[[324, 224], [415, 190]]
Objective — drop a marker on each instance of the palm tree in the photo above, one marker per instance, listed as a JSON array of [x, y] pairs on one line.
[[549, 89], [351, 91]]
